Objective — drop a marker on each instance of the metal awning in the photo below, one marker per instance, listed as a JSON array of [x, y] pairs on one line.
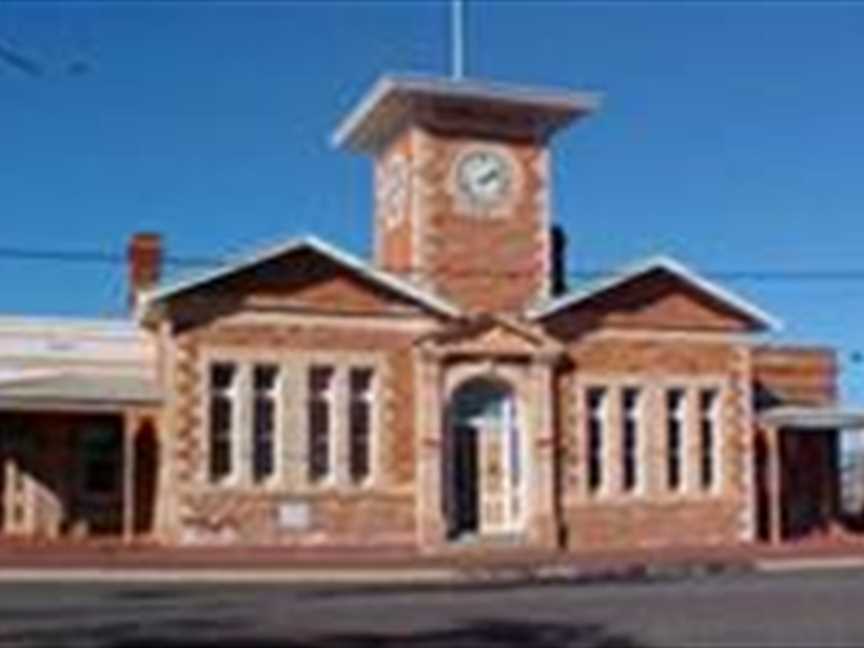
[[812, 417], [89, 392]]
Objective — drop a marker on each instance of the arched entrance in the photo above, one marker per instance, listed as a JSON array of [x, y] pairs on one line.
[[483, 462]]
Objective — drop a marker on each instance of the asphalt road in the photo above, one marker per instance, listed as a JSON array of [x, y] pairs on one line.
[[808, 609]]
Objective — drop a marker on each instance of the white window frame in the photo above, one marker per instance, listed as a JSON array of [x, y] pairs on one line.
[[276, 394], [681, 415], [372, 401], [235, 395], [291, 394], [715, 416], [637, 415], [600, 414], [331, 397]]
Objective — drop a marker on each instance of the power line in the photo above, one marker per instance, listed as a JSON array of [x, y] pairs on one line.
[[57, 255], [95, 256]]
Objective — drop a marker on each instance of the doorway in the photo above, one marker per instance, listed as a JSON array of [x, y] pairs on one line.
[[484, 461]]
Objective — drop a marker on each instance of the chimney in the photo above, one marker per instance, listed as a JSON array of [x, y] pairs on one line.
[[144, 263], [558, 262]]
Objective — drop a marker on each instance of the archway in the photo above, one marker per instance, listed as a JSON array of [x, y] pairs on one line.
[[483, 462]]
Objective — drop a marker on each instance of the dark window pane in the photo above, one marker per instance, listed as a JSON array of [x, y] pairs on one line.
[[318, 412], [707, 403], [220, 416], [262, 442], [264, 377], [674, 434], [220, 459], [596, 397], [630, 442], [222, 377], [320, 379], [360, 422]]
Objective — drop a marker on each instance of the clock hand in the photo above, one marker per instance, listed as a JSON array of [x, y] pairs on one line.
[[489, 175]]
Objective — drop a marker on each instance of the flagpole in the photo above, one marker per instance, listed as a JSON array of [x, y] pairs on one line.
[[457, 39]]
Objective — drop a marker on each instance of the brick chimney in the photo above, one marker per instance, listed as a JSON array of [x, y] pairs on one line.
[[144, 263]]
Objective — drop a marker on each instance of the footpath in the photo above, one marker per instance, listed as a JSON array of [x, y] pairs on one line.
[[112, 562]]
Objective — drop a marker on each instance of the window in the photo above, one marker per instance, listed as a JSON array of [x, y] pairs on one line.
[[596, 398], [708, 411], [101, 450], [319, 421], [675, 419], [223, 378], [360, 422], [630, 405], [265, 380]]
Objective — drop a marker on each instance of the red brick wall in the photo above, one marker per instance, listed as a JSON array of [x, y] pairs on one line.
[[799, 375], [483, 262], [655, 516], [382, 514]]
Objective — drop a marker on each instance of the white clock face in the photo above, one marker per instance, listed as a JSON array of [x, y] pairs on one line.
[[484, 177]]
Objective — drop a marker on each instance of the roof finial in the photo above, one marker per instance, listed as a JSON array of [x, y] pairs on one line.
[[457, 39]]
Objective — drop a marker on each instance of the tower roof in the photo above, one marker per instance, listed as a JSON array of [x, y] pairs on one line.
[[393, 98]]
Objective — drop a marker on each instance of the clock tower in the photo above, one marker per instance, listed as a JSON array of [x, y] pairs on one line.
[[462, 184]]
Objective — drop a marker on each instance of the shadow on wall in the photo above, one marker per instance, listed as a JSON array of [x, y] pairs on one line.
[[481, 633]]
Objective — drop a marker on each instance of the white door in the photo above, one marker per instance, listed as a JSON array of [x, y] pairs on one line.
[[500, 471]]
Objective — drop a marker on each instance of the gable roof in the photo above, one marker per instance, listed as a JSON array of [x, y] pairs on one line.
[[646, 266], [313, 244]]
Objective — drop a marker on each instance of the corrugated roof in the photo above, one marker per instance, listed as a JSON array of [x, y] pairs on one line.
[[80, 390], [808, 417]]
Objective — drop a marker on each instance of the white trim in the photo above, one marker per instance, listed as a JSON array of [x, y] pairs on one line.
[[679, 414], [314, 244], [234, 395], [330, 397], [643, 267], [567, 104], [636, 415], [274, 394], [373, 400], [813, 417], [601, 415], [714, 416]]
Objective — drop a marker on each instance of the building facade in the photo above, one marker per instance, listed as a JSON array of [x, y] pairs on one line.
[[445, 394]]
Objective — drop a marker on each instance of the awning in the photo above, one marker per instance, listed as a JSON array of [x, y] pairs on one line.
[[813, 417], [90, 392]]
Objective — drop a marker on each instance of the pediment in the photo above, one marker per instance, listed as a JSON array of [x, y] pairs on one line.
[[490, 335], [306, 275], [655, 301]]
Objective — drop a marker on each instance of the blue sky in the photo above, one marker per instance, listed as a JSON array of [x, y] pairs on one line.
[[731, 135]]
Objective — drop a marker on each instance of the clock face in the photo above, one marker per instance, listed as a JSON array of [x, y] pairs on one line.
[[392, 189], [484, 177]]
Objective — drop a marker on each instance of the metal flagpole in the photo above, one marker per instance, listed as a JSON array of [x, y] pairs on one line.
[[457, 38]]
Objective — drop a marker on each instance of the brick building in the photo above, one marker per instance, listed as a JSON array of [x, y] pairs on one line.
[[445, 393]]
